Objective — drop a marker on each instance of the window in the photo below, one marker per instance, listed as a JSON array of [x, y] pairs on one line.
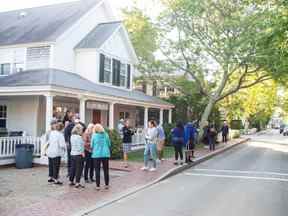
[[3, 116], [107, 69], [123, 74], [4, 69], [18, 67], [124, 115]]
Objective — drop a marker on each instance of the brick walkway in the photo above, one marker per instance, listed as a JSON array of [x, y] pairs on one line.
[[26, 192]]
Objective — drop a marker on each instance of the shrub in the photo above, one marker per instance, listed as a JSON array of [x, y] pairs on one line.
[[235, 134], [116, 144], [167, 129]]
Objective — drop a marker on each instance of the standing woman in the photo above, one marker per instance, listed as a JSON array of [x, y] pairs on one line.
[[151, 148], [100, 144], [89, 169], [178, 142], [127, 140], [55, 150], [77, 155]]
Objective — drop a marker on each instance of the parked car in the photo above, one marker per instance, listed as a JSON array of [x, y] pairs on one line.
[[282, 126], [285, 131]]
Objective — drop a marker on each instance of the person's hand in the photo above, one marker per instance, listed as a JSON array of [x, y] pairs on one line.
[[83, 154]]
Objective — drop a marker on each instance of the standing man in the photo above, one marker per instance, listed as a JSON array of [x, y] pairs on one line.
[[127, 140], [160, 142], [225, 132], [190, 135], [67, 135]]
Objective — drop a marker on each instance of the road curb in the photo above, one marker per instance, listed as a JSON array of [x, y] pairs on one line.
[[170, 173]]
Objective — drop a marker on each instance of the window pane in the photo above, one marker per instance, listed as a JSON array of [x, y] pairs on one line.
[[122, 80], [107, 75], [123, 69], [107, 64], [5, 69], [2, 123]]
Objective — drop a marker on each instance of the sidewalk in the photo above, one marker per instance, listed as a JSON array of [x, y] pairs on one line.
[[26, 192]]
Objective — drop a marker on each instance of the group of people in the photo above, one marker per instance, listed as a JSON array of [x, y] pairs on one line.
[[87, 149]]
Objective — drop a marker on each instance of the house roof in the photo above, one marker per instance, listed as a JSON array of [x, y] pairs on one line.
[[60, 78], [41, 24], [98, 35]]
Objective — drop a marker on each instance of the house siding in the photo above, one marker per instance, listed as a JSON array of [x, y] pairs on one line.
[[38, 57], [64, 53]]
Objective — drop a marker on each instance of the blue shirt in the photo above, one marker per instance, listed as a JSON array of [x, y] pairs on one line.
[[100, 145], [189, 131]]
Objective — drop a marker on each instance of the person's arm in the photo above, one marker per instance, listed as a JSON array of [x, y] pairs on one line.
[[108, 140], [62, 143]]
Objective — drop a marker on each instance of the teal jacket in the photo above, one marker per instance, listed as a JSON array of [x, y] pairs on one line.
[[100, 145]]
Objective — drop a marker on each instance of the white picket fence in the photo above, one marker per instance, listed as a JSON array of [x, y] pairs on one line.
[[8, 146]]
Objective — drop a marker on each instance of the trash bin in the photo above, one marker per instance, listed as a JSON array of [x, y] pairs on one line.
[[24, 155]]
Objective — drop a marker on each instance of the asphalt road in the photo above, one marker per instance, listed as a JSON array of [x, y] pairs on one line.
[[249, 180]]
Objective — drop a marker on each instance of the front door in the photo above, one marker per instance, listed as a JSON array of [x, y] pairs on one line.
[[96, 116]]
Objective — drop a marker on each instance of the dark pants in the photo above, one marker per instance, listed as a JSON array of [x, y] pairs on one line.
[[77, 163], [54, 167], [211, 143], [224, 138], [68, 160], [178, 151], [89, 168], [105, 165]]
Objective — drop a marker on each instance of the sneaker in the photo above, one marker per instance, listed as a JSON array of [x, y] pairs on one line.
[[79, 186], [144, 168], [92, 180], [58, 183], [106, 187], [71, 184], [50, 180], [176, 163], [97, 188], [152, 169]]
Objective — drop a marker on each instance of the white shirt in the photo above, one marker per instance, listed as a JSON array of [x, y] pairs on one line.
[[57, 144]]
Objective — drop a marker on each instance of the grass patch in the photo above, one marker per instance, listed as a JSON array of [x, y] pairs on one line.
[[137, 156]]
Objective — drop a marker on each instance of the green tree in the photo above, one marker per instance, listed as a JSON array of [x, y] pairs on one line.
[[224, 45]]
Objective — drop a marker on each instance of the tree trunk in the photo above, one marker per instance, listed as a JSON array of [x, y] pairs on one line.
[[205, 116]]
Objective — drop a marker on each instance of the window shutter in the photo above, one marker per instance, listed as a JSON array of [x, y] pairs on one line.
[[116, 73], [101, 71], [128, 76]]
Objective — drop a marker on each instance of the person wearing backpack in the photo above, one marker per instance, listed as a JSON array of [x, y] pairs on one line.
[[189, 138]]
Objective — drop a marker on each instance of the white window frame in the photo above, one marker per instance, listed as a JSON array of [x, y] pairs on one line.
[[6, 111], [106, 70], [123, 65], [1, 69]]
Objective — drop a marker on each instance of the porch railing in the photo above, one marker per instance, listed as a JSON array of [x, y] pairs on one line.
[[138, 139], [8, 145]]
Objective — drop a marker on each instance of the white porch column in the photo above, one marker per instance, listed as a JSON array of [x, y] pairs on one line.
[[82, 109], [49, 111], [111, 115], [161, 116], [170, 116], [146, 109]]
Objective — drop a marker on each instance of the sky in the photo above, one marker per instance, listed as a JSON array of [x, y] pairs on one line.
[[148, 6]]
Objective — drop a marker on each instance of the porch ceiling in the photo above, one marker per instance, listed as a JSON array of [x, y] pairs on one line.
[[77, 84]]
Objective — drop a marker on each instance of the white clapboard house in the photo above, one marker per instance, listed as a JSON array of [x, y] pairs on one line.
[[71, 56]]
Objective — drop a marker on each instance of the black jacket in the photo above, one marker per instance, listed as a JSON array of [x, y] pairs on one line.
[[67, 132], [127, 134]]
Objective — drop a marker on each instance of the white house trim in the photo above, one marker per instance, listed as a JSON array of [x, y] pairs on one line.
[[28, 45], [68, 92], [126, 38]]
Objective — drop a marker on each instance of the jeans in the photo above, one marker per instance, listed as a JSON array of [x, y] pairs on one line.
[[150, 152], [89, 168], [54, 167], [77, 163], [178, 151], [97, 165], [68, 160], [224, 138], [211, 143]]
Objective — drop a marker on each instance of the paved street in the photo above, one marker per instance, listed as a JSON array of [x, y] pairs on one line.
[[250, 180]]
